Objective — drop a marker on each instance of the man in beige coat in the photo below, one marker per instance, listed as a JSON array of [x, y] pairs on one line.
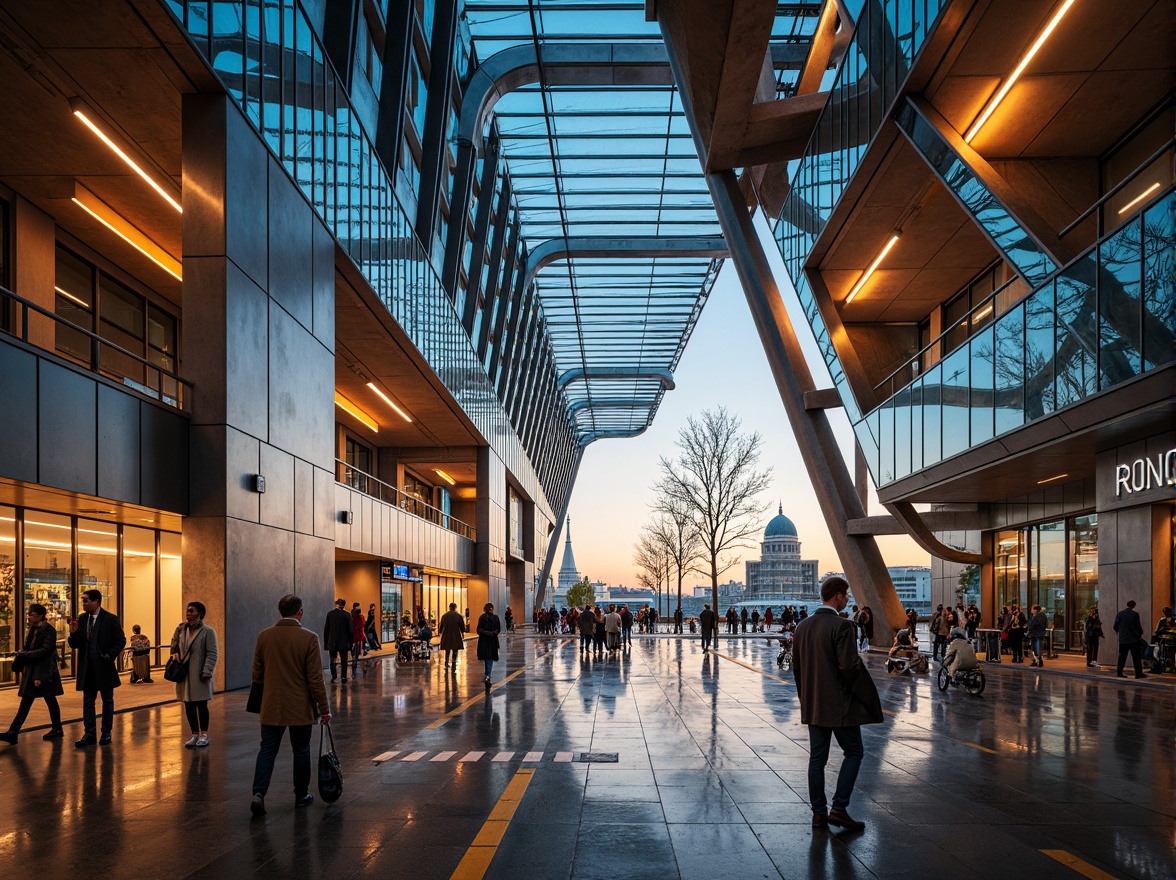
[[287, 663]]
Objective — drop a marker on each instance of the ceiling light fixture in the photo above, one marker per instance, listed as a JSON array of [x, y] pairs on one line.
[[68, 295], [123, 228], [1139, 198], [355, 412], [448, 479], [1003, 91], [1051, 479], [84, 113], [983, 313], [874, 265], [384, 397]]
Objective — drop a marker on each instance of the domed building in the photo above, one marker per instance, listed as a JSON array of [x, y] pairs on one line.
[[780, 574]]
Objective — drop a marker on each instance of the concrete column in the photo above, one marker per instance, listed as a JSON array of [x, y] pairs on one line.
[[259, 325]]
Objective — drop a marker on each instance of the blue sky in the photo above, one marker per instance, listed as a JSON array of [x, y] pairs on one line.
[[723, 364]]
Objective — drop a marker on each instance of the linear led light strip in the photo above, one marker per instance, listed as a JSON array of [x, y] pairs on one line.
[[123, 228], [355, 412], [1003, 91], [82, 112], [384, 397], [1139, 198], [448, 479], [861, 282]]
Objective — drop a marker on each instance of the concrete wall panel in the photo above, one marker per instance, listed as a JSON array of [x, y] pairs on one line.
[[290, 254], [277, 503]]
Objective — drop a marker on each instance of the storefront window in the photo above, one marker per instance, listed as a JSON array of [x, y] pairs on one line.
[[171, 597], [1083, 575], [1049, 572], [10, 624], [98, 561], [139, 585], [391, 604], [48, 570], [1010, 569]]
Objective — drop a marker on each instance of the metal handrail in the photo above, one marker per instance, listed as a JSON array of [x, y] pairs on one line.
[[992, 296], [184, 388], [1114, 190], [361, 481]]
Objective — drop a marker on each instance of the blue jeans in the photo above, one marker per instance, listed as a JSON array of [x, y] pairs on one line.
[[489, 667], [850, 740], [271, 741], [1037, 643], [89, 696]]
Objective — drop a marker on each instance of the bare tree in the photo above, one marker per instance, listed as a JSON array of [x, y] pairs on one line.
[[654, 563], [677, 530], [715, 477]]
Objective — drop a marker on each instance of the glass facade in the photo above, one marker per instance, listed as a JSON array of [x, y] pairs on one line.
[[1054, 565], [271, 62], [1106, 317], [54, 558]]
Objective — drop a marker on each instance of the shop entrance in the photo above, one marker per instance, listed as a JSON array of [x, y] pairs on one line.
[[1054, 565]]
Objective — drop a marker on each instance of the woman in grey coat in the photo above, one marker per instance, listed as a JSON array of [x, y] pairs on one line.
[[195, 641], [40, 676]]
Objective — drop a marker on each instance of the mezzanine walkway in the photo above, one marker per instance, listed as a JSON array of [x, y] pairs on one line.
[[708, 779]]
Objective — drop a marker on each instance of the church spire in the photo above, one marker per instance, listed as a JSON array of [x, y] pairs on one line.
[[568, 574]]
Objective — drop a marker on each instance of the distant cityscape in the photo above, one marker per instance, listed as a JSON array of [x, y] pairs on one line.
[[779, 577]]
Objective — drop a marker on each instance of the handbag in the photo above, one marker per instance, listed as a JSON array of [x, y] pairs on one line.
[[176, 668], [1004, 635], [330, 776]]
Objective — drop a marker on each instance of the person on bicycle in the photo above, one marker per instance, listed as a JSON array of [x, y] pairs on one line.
[[960, 656], [904, 657]]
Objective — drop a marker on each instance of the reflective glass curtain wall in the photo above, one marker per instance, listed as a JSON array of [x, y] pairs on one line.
[[272, 64]]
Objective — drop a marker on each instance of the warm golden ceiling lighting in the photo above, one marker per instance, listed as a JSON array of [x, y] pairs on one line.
[[1051, 479], [355, 412], [120, 226], [84, 113], [384, 397], [1003, 91], [448, 479], [861, 282], [1139, 198], [983, 313]]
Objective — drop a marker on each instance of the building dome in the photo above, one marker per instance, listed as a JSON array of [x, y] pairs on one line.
[[780, 526]]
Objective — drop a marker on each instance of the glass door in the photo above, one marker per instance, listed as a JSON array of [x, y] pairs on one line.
[[1048, 588], [1083, 576], [48, 573]]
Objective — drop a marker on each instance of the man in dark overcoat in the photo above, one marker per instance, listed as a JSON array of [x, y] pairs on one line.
[[452, 632], [98, 638], [837, 696], [337, 633], [707, 623], [1130, 629]]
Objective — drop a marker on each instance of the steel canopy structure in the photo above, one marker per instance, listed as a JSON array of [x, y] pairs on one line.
[[577, 102]]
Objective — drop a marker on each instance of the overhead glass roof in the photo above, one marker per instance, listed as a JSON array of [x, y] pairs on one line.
[[608, 161]]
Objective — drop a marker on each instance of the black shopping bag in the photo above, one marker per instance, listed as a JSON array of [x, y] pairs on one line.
[[330, 777]]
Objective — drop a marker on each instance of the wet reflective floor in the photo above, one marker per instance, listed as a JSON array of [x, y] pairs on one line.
[[663, 763]]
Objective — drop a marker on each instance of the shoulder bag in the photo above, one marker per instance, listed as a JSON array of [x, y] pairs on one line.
[[330, 776], [177, 667]]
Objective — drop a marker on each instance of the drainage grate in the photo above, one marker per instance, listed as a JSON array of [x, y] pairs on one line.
[[597, 758]]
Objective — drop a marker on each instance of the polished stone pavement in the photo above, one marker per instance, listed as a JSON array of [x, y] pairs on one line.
[[709, 778]]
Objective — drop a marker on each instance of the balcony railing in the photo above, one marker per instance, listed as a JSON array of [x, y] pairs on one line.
[[97, 354], [364, 482], [1107, 316]]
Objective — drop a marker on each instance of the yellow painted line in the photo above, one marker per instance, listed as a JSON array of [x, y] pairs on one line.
[[1074, 863], [982, 748], [753, 668], [476, 861], [473, 701], [888, 712]]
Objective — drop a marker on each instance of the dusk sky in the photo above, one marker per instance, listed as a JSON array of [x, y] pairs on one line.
[[723, 364]]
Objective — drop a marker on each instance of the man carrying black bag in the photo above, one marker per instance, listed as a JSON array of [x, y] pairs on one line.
[[288, 669]]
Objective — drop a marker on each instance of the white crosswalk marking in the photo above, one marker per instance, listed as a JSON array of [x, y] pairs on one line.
[[563, 757], [415, 756], [384, 756], [473, 756], [503, 756], [532, 757], [442, 756]]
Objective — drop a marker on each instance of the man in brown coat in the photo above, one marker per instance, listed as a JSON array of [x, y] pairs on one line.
[[287, 663], [836, 696]]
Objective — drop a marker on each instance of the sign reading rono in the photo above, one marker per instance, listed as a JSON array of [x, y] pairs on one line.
[[1145, 474]]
